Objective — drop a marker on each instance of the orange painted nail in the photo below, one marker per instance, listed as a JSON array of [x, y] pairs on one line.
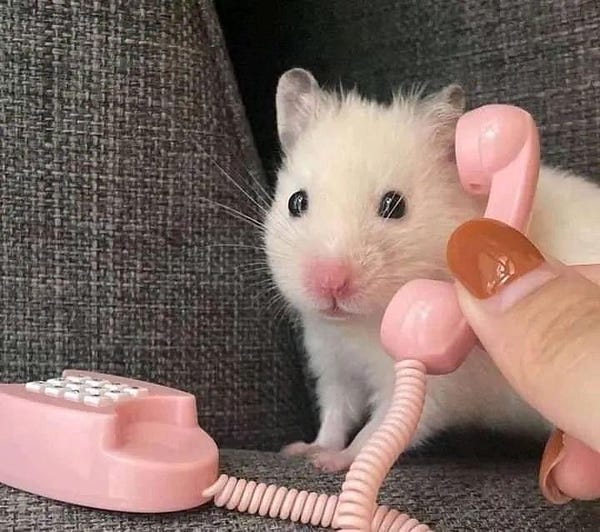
[[486, 255]]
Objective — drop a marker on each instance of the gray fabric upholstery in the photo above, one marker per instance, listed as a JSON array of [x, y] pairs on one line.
[[116, 119], [446, 493]]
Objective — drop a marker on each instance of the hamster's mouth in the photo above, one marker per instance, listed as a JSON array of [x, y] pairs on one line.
[[334, 312]]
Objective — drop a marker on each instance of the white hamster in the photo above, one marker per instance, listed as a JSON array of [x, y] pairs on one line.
[[366, 198]]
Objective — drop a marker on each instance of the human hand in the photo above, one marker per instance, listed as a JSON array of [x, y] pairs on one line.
[[539, 320]]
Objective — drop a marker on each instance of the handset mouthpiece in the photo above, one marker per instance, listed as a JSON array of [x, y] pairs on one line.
[[423, 321]]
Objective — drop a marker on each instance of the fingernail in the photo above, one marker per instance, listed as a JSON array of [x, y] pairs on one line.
[[486, 256], [553, 454]]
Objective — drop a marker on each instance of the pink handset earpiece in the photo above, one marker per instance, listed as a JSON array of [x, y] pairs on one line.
[[497, 154]]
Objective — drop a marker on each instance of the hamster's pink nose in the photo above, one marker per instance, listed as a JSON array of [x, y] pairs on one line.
[[328, 278], [487, 140]]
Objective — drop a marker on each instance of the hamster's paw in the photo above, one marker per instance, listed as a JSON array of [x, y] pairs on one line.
[[300, 448], [332, 461]]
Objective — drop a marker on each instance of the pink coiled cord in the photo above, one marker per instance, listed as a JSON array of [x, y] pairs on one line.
[[356, 507]]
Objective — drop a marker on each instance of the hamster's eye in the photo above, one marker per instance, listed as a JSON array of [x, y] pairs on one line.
[[392, 205], [298, 203]]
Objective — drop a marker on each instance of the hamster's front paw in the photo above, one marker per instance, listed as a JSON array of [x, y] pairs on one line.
[[300, 448], [332, 461]]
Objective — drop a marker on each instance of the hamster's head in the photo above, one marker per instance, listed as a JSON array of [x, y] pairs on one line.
[[366, 197]]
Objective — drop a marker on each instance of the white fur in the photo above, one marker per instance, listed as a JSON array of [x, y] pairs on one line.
[[351, 152]]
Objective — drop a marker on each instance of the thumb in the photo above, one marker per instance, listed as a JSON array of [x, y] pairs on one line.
[[538, 320]]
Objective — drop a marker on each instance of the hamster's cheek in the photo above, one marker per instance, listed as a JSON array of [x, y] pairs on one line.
[[282, 260]]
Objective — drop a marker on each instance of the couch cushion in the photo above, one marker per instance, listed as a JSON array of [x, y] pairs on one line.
[[446, 494], [118, 122]]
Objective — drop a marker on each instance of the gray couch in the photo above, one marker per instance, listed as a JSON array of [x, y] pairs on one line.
[[118, 123]]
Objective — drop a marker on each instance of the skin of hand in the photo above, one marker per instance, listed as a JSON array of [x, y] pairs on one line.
[[539, 320]]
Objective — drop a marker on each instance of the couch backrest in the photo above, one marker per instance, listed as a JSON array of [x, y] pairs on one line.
[[117, 125], [544, 56]]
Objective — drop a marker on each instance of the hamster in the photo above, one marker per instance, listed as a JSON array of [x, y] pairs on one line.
[[366, 198]]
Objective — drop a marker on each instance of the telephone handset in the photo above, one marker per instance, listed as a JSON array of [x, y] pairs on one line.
[[119, 444]]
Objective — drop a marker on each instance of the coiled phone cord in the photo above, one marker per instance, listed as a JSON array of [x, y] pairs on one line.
[[355, 508]]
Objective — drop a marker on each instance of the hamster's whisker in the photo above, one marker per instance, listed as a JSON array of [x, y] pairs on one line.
[[286, 222], [235, 213], [285, 226], [281, 313], [264, 290], [282, 235], [283, 223], [262, 193], [392, 246], [379, 278], [272, 303], [277, 298], [249, 271], [262, 262], [266, 196], [266, 284], [253, 272], [267, 281], [245, 268], [281, 256], [213, 160], [234, 245]]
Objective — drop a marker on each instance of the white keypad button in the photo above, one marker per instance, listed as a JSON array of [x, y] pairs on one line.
[[55, 391], [74, 395], [136, 391], [36, 386], [96, 383], [75, 386], [96, 400], [117, 396], [79, 379], [114, 387], [93, 391], [57, 382]]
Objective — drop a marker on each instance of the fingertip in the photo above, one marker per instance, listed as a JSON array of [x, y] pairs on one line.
[[578, 473], [569, 470]]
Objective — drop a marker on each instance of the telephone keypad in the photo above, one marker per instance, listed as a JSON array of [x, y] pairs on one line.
[[86, 390]]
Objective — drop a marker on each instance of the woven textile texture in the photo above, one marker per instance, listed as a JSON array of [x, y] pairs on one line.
[[118, 122], [448, 494], [544, 56]]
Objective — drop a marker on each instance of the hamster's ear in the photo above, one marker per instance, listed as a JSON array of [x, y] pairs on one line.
[[296, 102], [443, 109], [454, 96], [446, 106]]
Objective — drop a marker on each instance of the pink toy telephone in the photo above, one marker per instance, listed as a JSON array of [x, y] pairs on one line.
[[120, 444]]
